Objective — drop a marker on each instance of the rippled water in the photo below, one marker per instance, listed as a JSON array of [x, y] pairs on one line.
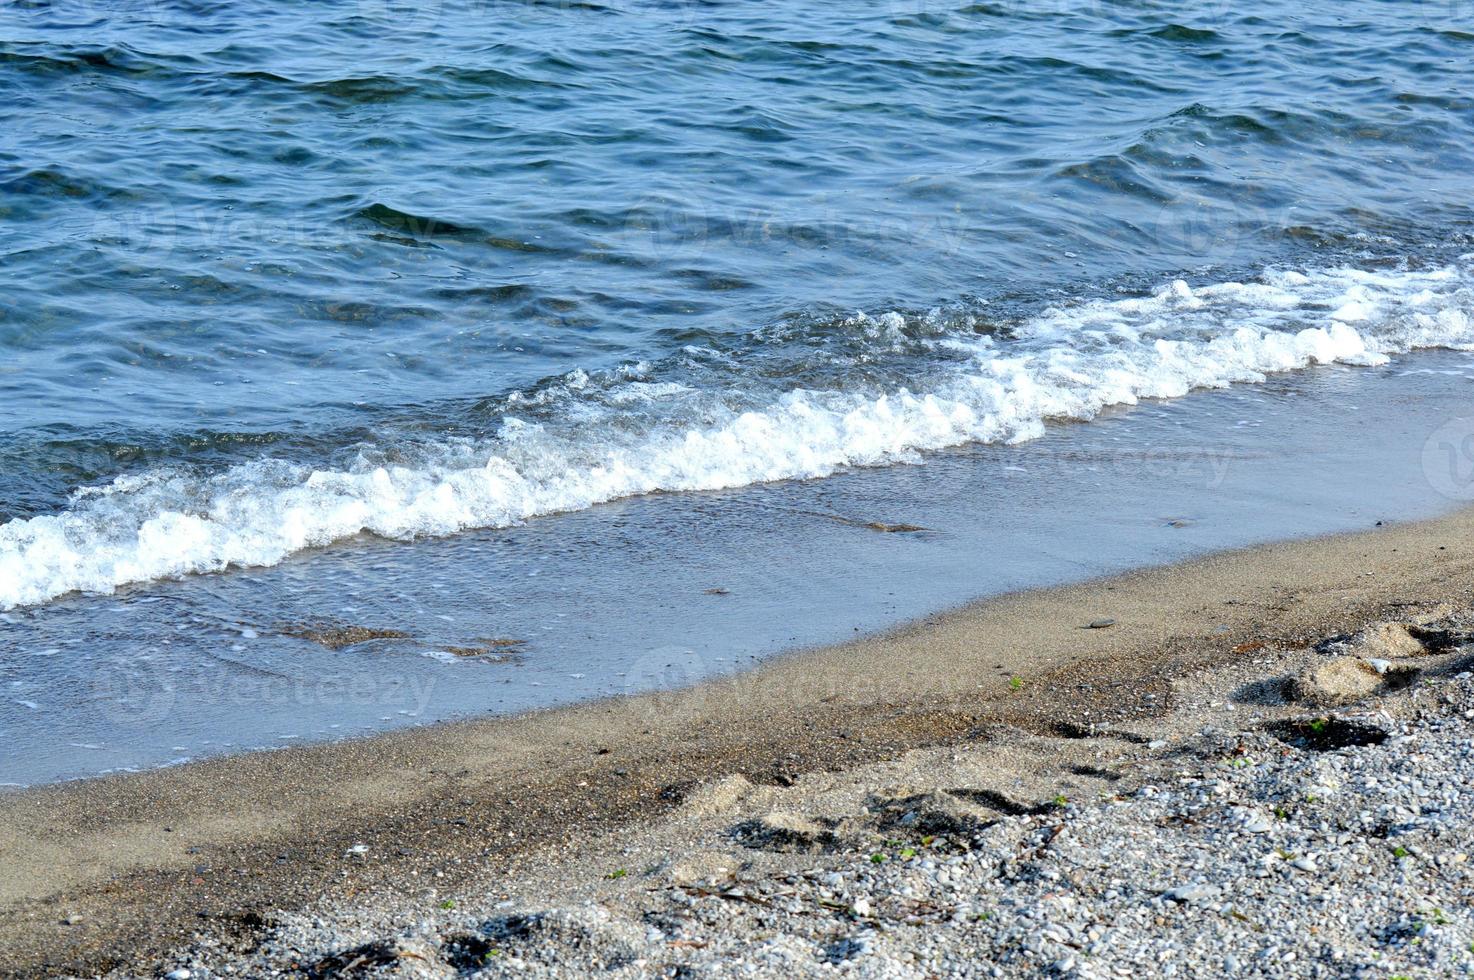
[[278, 273], [275, 275]]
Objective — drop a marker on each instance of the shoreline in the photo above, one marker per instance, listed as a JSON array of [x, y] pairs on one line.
[[115, 873], [201, 667]]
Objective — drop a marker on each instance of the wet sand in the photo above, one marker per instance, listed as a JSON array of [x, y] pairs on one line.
[[113, 873]]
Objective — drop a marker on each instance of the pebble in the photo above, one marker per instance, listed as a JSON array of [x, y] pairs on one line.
[[1193, 893], [1354, 848], [1255, 822]]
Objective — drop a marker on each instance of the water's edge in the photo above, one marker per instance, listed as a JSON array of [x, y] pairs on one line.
[[670, 589]]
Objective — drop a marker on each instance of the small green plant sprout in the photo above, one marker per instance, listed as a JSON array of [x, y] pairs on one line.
[[1309, 797], [1016, 683], [1319, 725], [1281, 813], [928, 840], [908, 852], [1436, 916], [1061, 801], [1399, 852], [448, 904], [877, 858], [616, 873]]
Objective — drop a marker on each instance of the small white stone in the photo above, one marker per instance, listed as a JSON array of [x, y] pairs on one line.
[[1258, 823], [1196, 892]]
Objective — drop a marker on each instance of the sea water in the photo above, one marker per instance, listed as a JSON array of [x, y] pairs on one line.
[[512, 320]]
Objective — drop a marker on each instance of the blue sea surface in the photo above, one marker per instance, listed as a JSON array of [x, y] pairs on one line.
[[239, 229], [287, 283]]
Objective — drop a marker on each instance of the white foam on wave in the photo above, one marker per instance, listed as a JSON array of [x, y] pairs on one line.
[[1068, 363]]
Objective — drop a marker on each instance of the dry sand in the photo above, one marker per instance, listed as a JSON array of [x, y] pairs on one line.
[[114, 873]]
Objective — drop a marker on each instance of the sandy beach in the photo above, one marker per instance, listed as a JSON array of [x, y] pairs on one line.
[[1055, 694], [700, 490]]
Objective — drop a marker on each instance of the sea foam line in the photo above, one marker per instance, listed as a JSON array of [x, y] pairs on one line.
[[1068, 363]]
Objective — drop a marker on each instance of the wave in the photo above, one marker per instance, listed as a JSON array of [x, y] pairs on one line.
[[584, 440], [423, 228]]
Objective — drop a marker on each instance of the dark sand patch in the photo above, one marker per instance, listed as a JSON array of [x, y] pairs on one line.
[[336, 636]]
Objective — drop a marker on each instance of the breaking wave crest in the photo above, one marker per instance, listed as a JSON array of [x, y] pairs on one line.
[[639, 432]]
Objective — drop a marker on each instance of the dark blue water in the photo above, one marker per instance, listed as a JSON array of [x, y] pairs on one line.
[[251, 228], [287, 277]]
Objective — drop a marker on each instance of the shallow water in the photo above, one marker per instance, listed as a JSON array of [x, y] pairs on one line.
[[665, 590], [288, 288]]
